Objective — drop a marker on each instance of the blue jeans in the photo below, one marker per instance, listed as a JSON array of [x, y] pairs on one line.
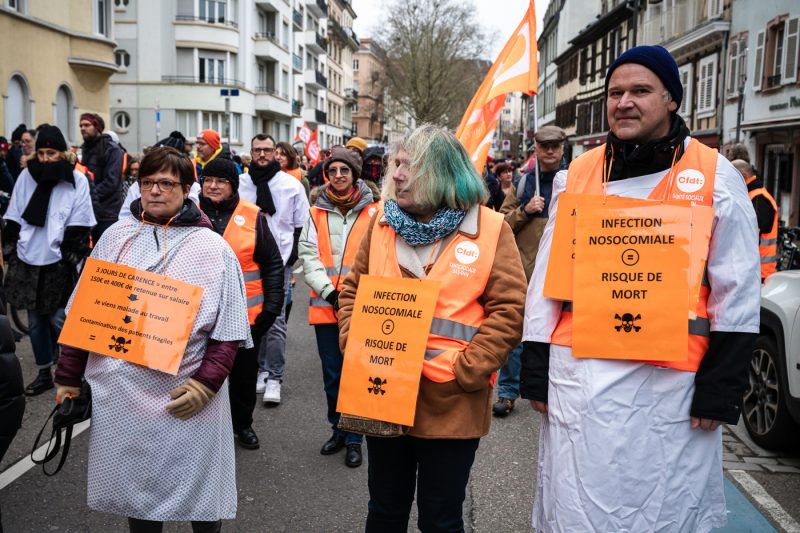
[[331, 358], [508, 378], [44, 332], [272, 352], [438, 469]]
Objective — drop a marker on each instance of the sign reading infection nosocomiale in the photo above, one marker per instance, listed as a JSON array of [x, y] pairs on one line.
[[631, 282], [127, 313], [386, 347]]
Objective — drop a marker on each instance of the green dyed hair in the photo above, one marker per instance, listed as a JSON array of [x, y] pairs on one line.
[[440, 171]]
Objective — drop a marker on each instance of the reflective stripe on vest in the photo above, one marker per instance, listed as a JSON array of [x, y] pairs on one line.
[[241, 235], [319, 310], [767, 242], [463, 269], [584, 176], [83, 169]]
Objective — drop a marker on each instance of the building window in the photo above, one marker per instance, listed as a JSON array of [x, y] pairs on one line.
[[121, 4], [122, 58], [790, 59], [122, 121], [777, 55], [355, 64], [101, 17], [62, 111], [16, 5], [685, 73], [213, 10], [211, 70], [17, 103], [715, 8], [186, 121], [707, 86], [737, 63]]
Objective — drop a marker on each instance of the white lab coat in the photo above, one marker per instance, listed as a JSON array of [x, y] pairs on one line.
[[616, 452], [291, 207]]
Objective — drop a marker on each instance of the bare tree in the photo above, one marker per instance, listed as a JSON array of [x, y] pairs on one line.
[[433, 48]]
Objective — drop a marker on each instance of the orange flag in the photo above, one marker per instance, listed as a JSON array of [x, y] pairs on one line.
[[515, 70]]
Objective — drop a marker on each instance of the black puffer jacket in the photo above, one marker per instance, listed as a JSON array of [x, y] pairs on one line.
[[104, 158], [12, 399]]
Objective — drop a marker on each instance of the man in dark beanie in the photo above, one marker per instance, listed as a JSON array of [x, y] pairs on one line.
[[244, 226], [104, 159], [634, 433]]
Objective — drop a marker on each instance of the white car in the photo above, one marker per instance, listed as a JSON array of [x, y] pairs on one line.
[[771, 403]]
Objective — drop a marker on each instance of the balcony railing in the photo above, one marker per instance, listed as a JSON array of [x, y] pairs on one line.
[[272, 91], [321, 79], [297, 18], [322, 6], [322, 42], [297, 107], [773, 81], [297, 62], [204, 81], [268, 35], [209, 20], [320, 116]]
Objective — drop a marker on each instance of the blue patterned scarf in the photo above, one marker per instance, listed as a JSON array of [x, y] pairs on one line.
[[415, 233]]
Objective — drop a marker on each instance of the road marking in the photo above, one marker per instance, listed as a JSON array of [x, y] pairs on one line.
[[11, 474], [767, 502]]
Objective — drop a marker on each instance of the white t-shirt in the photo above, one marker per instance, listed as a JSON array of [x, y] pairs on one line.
[[134, 194], [69, 206], [291, 207]]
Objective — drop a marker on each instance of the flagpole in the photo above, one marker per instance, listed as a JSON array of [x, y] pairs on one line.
[[535, 129]]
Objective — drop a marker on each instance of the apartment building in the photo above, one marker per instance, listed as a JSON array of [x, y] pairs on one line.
[[762, 95], [342, 44], [369, 87], [57, 61], [312, 85]]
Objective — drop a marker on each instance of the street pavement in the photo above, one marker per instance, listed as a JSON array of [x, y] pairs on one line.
[[287, 486]]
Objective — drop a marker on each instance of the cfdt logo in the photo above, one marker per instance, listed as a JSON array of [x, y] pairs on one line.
[[467, 252], [690, 180]]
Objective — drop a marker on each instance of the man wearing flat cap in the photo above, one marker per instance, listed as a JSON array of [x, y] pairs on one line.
[[525, 210], [628, 443]]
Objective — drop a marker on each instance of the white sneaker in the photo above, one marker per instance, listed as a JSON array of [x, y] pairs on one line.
[[272, 392], [261, 382]]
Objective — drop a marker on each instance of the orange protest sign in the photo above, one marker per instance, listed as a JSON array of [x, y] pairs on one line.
[[631, 282], [131, 314], [560, 266], [385, 348]]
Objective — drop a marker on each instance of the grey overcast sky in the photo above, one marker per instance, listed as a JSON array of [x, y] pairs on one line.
[[498, 16]]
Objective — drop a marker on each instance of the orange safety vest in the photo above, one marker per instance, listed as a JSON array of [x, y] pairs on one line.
[[319, 310], [694, 180], [767, 242], [296, 173], [463, 269], [241, 235], [83, 169]]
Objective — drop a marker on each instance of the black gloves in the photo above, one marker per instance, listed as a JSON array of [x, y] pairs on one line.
[[333, 299], [295, 242], [264, 321]]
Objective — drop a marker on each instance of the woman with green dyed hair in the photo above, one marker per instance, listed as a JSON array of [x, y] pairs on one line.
[[433, 227]]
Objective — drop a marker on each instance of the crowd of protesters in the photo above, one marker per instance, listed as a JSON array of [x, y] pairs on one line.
[[236, 225]]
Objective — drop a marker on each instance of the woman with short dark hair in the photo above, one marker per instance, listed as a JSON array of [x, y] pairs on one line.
[[161, 446]]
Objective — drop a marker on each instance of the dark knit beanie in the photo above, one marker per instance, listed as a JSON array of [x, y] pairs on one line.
[[657, 59], [346, 156], [16, 135], [51, 137], [222, 168]]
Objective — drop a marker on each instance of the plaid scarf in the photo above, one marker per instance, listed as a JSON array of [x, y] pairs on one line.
[[415, 233]]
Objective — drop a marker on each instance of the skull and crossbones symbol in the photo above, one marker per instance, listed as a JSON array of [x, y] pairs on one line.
[[119, 344], [627, 322], [377, 386]]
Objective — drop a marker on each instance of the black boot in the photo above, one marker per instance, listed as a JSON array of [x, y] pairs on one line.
[[42, 383]]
